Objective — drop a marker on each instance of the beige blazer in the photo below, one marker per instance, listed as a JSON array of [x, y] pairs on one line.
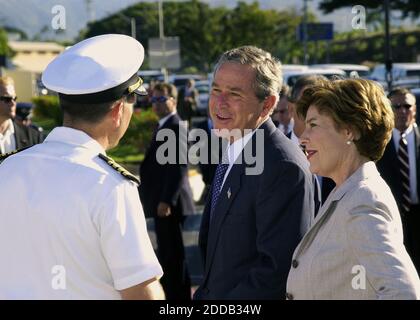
[[354, 249]]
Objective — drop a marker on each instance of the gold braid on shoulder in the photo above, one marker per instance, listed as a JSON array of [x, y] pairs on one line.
[[124, 172], [3, 156]]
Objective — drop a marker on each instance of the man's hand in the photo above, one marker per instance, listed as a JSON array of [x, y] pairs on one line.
[[163, 210]]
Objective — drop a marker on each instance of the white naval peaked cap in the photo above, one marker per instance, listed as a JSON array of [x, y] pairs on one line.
[[98, 69]]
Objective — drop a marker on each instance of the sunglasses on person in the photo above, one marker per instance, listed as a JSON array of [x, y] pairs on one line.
[[406, 106], [7, 99], [160, 99]]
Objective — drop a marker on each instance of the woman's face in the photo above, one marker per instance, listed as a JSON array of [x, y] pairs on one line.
[[325, 145]]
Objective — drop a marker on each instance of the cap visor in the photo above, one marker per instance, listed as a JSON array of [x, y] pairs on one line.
[[141, 91]]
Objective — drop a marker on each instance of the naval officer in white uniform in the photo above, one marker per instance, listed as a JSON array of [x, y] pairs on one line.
[[77, 230]]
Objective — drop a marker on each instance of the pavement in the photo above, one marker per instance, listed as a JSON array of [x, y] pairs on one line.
[[191, 229]]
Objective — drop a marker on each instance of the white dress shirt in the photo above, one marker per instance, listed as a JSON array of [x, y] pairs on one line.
[[234, 150], [7, 139]]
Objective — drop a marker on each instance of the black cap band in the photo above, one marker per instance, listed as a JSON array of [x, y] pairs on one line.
[[108, 95]]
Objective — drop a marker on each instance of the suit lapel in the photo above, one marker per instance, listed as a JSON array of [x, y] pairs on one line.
[[20, 137], [228, 194]]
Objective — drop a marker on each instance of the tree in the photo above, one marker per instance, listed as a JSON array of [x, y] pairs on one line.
[[409, 8], [206, 32], [5, 51]]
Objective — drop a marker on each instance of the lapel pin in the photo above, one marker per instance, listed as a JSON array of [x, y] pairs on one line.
[[229, 193]]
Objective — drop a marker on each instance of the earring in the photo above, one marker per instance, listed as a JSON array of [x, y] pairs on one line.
[[348, 142]]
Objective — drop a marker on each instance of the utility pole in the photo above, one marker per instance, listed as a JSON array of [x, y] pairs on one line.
[[388, 51], [162, 38], [133, 27], [305, 32], [90, 10]]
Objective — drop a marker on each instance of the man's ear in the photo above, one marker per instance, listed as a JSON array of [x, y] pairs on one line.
[[116, 113], [269, 104]]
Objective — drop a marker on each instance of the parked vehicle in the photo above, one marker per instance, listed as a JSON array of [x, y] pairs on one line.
[[291, 77], [179, 80], [150, 75], [403, 75], [350, 69]]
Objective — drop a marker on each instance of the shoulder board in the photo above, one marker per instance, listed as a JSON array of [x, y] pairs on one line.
[[119, 168], [3, 156]]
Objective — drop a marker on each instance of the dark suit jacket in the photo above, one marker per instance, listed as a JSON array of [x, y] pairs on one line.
[[165, 182], [388, 167], [258, 222], [208, 169], [26, 136]]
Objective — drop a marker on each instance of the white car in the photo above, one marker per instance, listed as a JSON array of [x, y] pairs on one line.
[[403, 75], [350, 69], [290, 77]]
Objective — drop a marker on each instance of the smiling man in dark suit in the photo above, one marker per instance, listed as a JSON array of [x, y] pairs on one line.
[[12, 135], [253, 219], [166, 194]]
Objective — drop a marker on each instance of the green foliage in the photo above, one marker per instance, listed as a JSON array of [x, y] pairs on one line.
[[47, 112], [139, 132], [408, 8], [206, 32], [4, 48]]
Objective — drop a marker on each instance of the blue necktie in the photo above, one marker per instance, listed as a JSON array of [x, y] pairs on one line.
[[217, 182]]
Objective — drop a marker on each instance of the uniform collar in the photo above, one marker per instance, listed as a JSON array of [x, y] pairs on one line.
[[74, 137]]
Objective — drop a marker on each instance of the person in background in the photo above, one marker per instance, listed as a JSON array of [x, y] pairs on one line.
[[282, 118], [13, 136], [166, 193], [400, 168], [24, 115], [354, 249], [324, 185], [188, 101]]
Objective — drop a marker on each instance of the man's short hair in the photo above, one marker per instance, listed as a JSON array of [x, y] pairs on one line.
[[305, 81], [400, 91], [268, 76], [86, 112], [167, 88], [6, 80]]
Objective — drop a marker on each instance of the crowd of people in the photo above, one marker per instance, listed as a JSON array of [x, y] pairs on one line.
[[332, 215]]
